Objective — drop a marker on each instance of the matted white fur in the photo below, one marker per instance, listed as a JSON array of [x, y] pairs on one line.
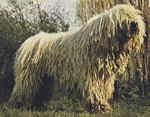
[[79, 60]]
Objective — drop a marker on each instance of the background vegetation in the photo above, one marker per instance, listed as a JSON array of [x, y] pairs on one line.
[[132, 92]]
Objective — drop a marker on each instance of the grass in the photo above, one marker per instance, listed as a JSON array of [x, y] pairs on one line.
[[64, 107]]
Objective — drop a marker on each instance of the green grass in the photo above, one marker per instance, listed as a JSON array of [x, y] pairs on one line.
[[64, 107]]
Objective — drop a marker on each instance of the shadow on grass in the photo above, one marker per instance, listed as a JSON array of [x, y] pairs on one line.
[[64, 107]]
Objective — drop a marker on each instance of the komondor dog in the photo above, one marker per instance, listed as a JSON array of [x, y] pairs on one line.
[[87, 60]]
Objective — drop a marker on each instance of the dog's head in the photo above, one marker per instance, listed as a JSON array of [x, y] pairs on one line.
[[128, 36]]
